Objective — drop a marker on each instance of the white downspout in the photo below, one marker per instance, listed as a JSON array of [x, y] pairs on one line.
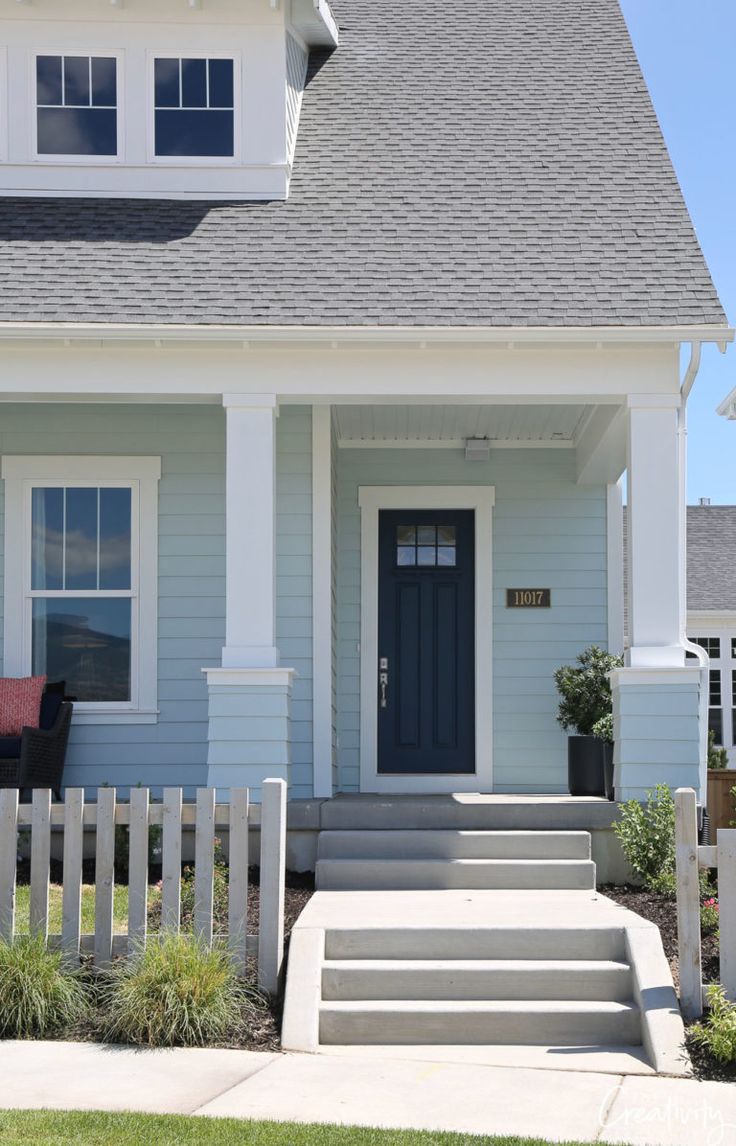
[[696, 650], [687, 385]]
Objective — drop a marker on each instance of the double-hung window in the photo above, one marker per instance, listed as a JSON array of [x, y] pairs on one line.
[[194, 107], [721, 650], [77, 105], [81, 586]]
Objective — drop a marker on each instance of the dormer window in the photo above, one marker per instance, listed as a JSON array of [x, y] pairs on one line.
[[194, 107], [76, 105]]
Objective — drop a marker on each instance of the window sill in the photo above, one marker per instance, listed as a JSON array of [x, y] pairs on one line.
[[116, 716]]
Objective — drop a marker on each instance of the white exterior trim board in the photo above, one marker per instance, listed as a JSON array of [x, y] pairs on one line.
[[481, 499]]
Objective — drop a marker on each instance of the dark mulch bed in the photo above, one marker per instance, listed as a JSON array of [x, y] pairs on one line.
[[662, 911]]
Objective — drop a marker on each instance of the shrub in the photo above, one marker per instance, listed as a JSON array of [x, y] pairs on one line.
[[175, 991], [38, 995], [717, 1034], [717, 757], [647, 835], [603, 728], [585, 690]]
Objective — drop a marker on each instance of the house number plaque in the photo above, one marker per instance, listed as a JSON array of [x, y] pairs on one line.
[[528, 598]]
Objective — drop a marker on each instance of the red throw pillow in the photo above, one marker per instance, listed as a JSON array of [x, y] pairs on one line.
[[20, 703]]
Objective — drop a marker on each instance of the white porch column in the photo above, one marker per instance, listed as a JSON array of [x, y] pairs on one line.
[[658, 701], [656, 621], [249, 693], [250, 532]]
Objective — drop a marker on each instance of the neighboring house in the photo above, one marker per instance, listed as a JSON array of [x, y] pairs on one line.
[[320, 364], [711, 610]]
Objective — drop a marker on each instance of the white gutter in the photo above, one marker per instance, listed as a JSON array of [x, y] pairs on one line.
[[509, 337]]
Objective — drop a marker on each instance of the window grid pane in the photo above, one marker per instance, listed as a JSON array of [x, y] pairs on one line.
[[733, 648], [426, 545], [715, 688], [76, 105], [194, 108], [81, 538], [87, 643]]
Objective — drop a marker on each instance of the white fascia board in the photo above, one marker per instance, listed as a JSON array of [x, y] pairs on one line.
[[727, 408], [710, 619], [314, 22], [511, 337]]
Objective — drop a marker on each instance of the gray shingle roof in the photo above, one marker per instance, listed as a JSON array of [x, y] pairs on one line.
[[486, 163], [711, 557]]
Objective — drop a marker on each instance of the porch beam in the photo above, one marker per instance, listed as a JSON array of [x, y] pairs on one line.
[[250, 532], [601, 447], [656, 620]]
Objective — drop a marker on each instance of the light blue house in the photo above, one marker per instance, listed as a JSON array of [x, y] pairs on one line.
[[321, 359]]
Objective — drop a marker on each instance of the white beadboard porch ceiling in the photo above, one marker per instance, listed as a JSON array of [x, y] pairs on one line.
[[553, 424]]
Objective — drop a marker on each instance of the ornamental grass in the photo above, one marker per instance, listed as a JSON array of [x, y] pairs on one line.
[[39, 996]]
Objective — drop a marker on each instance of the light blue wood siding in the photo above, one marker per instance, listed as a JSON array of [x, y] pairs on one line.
[[658, 737], [548, 532], [191, 443]]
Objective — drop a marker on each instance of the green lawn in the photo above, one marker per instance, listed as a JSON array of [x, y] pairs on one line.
[[120, 909], [45, 1127]]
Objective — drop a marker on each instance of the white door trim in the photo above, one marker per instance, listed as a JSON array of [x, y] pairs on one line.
[[371, 499]]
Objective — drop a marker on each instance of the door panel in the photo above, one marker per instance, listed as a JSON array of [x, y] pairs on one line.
[[426, 642]]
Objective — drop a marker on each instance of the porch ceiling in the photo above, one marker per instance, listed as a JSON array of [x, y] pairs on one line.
[[557, 425]]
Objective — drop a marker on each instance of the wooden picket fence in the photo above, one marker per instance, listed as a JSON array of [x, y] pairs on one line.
[[691, 858], [139, 814]]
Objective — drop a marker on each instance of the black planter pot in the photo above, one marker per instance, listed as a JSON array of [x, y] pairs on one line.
[[608, 770], [585, 770]]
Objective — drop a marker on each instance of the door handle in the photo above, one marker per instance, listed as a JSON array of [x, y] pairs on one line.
[[383, 682]]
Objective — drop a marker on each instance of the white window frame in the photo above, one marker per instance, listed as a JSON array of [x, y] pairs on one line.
[[234, 160], [81, 160], [141, 475], [372, 499]]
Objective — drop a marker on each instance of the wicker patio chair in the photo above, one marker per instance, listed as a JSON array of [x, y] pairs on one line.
[[35, 759]]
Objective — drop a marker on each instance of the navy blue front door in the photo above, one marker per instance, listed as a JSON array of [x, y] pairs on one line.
[[426, 642]]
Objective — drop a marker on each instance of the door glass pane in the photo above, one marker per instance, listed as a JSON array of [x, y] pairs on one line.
[[406, 555], [426, 534], [446, 555], [80, 549], [426, 555], [406, 535], [446, 534], [115, 538], [47, 538], [86, 642]]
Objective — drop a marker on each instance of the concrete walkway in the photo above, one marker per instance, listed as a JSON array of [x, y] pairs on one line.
[[468, 1097]]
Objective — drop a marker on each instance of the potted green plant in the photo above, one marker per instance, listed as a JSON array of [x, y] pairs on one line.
[[585, 698], [603, 729]]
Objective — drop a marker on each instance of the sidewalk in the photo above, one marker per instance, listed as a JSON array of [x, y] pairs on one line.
[[393, 1092]]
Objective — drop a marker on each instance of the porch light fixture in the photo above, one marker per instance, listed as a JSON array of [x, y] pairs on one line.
[[477, 449]]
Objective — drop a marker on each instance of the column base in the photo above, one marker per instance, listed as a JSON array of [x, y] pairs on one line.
[[660, 729], [249, 736]]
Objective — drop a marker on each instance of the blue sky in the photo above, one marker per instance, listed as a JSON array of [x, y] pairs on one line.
[[687, 50]]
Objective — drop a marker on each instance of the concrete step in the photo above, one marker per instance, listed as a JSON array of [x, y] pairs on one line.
[[436, 874], [514, 1021], [476, 979], [453, 845], [481, 942]]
